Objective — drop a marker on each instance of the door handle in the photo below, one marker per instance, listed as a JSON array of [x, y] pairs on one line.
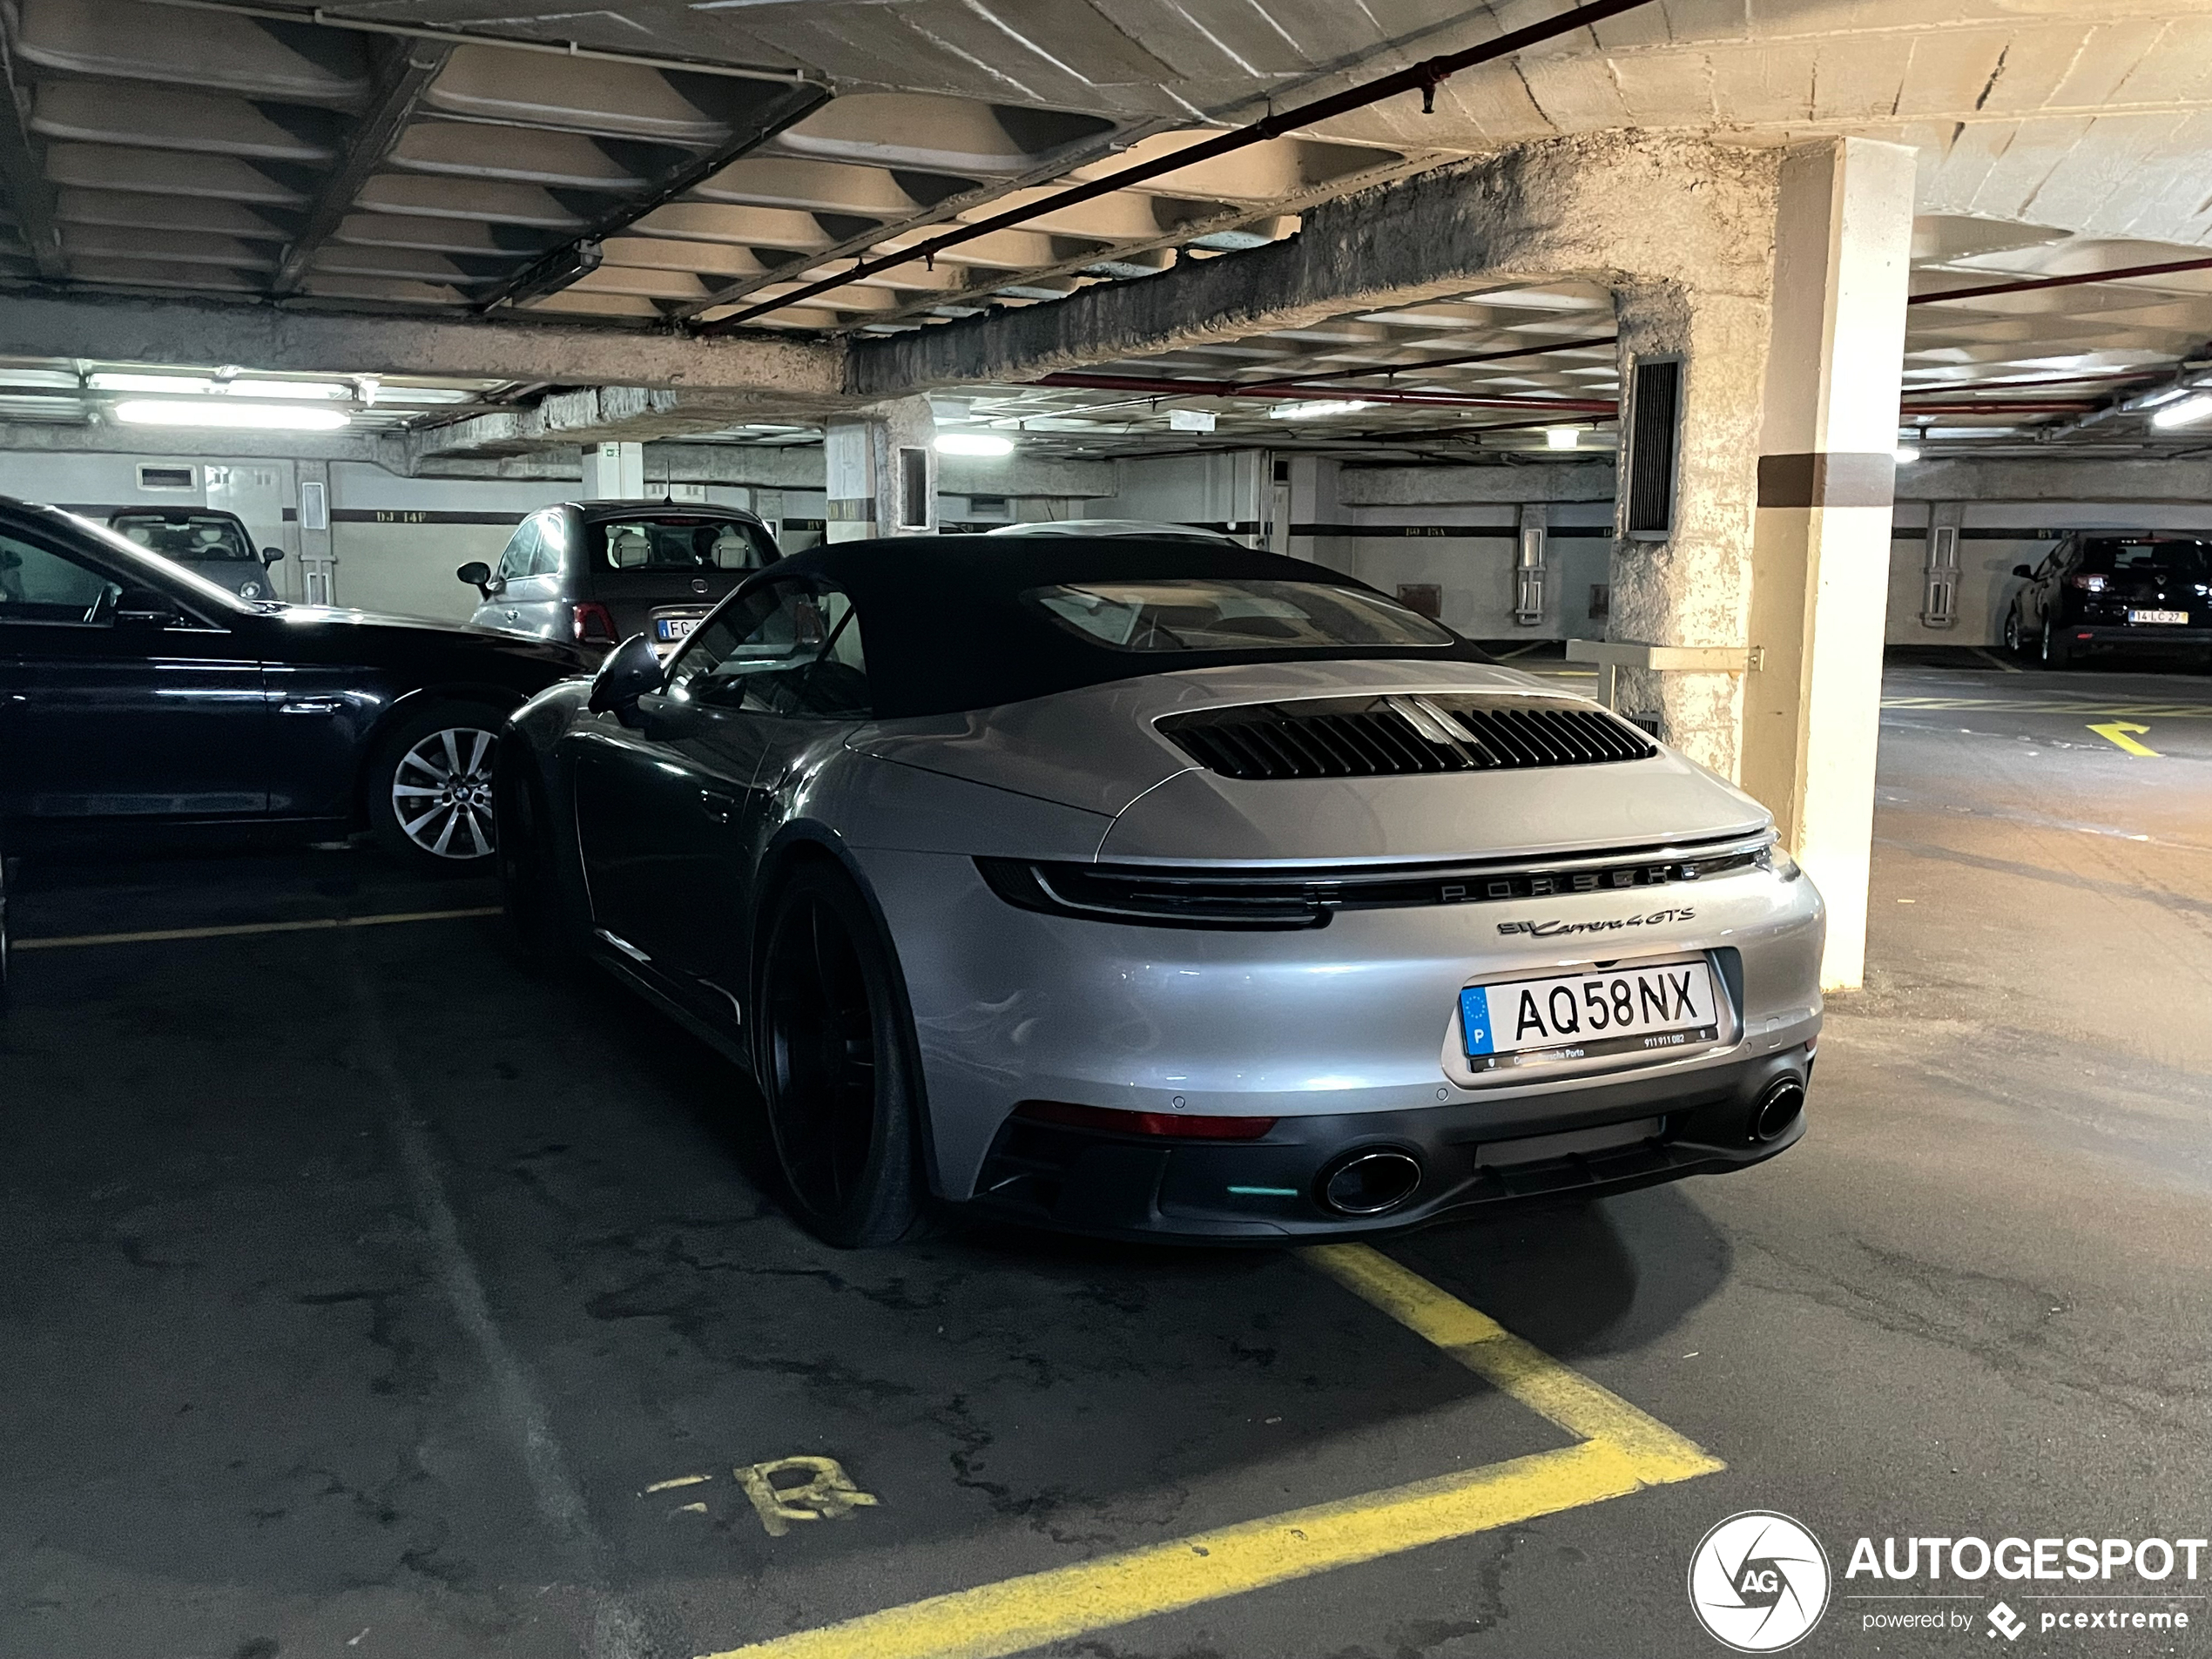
[[719, 806], [312, 705]]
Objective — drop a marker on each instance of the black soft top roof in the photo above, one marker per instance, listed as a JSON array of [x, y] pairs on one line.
[[947, 632]]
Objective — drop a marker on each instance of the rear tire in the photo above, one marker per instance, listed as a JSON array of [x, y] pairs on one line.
[[2057, 653], [528, 879], [4, 927], [838, 1069], [429, 788]]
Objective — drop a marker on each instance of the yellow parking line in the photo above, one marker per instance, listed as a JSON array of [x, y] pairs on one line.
[[1621, 1450], [71, 941], [1514, 1367]]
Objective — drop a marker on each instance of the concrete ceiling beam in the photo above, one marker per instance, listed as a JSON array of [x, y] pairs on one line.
[[1563, 208], [792, 372]]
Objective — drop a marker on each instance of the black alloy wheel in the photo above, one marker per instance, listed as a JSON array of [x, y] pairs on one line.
[[2057, 653], [2012, 641], [837, 1067]]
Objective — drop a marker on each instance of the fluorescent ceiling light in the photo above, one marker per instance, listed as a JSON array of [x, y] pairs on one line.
[[1561, 437], [974, 443], [1906, 454], [323, 389], [211, 413], [386, 393], [183, 385], [2184, 413], [1317, 410], [49, 380]]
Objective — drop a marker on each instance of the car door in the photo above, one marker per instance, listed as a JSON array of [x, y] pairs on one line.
[[672, 812], [108, 715], [2038, 599], [514, 605]]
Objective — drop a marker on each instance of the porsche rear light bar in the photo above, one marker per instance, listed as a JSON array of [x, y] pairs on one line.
[[1173, 1126]]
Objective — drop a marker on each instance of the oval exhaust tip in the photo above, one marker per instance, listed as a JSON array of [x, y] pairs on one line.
[[1368, 1183], [1779, 1108]]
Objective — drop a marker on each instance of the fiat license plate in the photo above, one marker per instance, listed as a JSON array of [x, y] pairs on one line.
[[1621, 1010], [2159, 616], [675, 627]]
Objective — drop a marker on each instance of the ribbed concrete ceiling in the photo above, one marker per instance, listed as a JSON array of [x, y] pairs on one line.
[[678, 162]]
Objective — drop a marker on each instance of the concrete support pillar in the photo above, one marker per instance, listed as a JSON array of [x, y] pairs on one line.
[[882, 472], [312, 579], [614, 472], [1693, 588], [1826, 479]]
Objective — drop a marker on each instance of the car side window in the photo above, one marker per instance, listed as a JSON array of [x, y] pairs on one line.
[[790, 648], [521, 549], [2054, 561], [546, 559], [38, 585]]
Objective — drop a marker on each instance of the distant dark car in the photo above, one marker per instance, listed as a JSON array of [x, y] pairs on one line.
[[2097, 590], [205, 541], [138, 696], [597, 571]]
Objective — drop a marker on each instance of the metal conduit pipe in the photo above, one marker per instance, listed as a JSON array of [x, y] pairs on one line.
[[2025, 285], [1423, 77]]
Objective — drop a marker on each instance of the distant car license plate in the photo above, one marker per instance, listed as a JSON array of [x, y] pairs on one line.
[[1622, 1010], [675, 627], [2158, 616]]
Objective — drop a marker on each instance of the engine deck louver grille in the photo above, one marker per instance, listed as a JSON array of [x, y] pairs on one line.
[[1384, 737]]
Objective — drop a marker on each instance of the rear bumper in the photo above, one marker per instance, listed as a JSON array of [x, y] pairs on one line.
[[2152, 636], [1473, 1156]]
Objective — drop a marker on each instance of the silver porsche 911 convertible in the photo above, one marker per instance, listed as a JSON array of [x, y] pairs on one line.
[[1164, 890]]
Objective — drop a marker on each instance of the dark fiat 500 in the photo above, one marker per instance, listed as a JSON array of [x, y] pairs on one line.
[[596, 571], [138, 696], [2094, 591]]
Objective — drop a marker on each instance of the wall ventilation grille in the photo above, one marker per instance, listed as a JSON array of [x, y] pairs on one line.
[[1654, 437]]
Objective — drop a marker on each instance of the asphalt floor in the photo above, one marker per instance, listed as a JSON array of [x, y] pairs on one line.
[[362, 1288]]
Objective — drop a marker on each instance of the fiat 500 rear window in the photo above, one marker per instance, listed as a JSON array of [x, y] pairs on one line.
[[1225, 614]]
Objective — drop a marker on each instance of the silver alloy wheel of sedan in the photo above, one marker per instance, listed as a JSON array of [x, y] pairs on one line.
[[442, 792]]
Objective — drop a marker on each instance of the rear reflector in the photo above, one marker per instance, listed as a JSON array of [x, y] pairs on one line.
[[1173, 1125]]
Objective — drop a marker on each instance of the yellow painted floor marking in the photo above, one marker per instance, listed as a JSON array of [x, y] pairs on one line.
[[72, 941], [2115, 733], [1514, 1367], [1622, 1450], [2056, 706], [680, 1481]]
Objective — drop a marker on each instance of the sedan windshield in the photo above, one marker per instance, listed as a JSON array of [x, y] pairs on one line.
[[195, 538], [1231, 614]]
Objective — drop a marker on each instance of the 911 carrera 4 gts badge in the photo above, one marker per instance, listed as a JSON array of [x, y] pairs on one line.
[[1553, 929]]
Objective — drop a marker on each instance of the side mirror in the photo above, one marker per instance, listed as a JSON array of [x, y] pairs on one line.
[[477, 575], [631, 671], [145, 608], [271, 555], [2021, 569]]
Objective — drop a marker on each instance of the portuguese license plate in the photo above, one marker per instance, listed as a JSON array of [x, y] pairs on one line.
[[675, 627], [1570, 1016], [2159, 616]]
